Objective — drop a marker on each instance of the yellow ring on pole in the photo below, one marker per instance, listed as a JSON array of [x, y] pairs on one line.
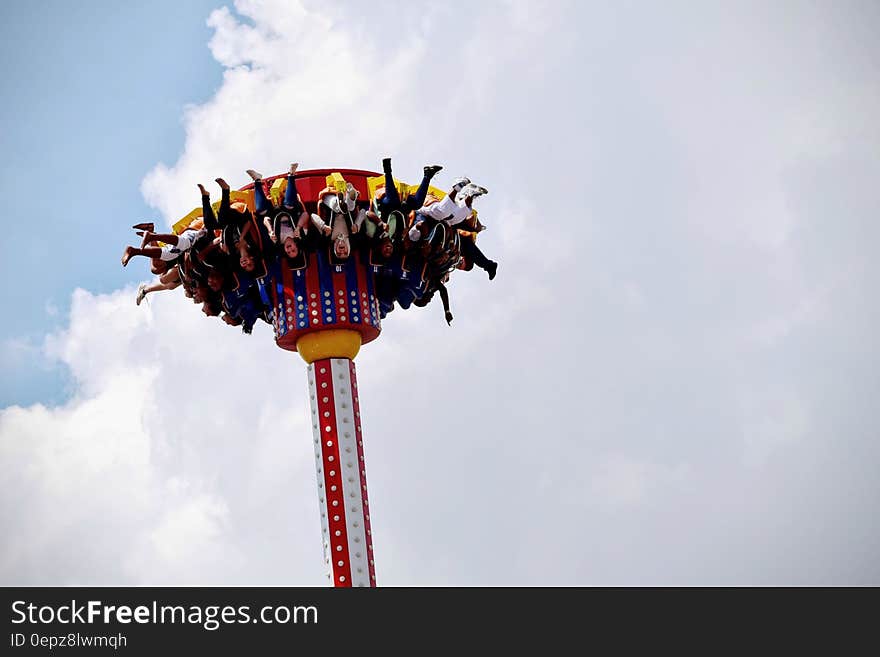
[[330, 343]]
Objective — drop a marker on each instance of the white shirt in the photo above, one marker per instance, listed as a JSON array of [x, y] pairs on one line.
[[337, 229], [286, 231], [447, 211]]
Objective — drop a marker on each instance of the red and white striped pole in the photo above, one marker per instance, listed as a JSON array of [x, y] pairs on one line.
[[325, 311], [342, 474]]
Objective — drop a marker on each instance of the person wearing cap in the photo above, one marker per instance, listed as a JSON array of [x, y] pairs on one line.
[[454, 208]]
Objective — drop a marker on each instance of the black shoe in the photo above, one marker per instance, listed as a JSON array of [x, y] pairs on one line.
[[386, 165], [430, 171], [492, 269]]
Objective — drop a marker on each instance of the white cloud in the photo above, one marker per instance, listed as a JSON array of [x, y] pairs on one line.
[[154, 454], [619, 481]]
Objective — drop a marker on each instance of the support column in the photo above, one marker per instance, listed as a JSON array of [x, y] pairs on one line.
[[342, 475]]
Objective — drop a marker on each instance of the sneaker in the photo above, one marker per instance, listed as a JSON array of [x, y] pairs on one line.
[[472, 190], [293, 167], [351, 197], [432, 170], [492, 269], [142, 293], [459, 183], [386, 165], [256, 177]]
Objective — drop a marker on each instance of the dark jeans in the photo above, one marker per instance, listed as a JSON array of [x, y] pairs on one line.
[[391, 201], [291, 199], [472, 252], [225, 216], [291, 202]]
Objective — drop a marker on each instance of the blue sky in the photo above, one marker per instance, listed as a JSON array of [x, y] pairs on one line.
[[93, 94]]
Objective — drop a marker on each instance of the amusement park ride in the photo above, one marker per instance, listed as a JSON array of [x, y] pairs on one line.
[[325, 310]]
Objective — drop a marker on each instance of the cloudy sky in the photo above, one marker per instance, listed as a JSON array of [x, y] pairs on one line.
[[674, 379]]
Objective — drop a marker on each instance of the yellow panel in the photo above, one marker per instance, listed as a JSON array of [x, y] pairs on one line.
[[329, 343], [374, 183], [336, 180], [247, 196], [433, 197], [185, 221], [403, 189], [234, 195], [279, 185]]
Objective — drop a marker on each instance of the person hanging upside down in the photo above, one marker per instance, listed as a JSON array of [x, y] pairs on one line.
[[286, 223], [389, 202], [175, 245], [454, 208], [339, 224], [437, 285], [229, 214]]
